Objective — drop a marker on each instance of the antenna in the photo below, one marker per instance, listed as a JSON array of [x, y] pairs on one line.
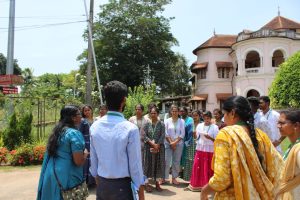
[[278, 11], [214, 32]]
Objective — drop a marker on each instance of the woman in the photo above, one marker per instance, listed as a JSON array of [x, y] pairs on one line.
[[154, 153], [218, 115], [139, 120], [102, 111], [84, 128], [289, 126], [66, 153], [188, 149], [206, 132], [173, 144], [246, 165]]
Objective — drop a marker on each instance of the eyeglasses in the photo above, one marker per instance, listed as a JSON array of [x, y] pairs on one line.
[[281, 123]]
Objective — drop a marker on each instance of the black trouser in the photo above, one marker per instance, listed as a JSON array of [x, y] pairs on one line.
[[114, 189]]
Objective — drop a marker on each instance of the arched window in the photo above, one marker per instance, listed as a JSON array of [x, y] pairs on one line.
[[252, 60], [253, 93], [277, 58]]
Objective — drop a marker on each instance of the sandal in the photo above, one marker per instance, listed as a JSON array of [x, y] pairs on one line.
[[148, 188], [157, 187], [175, 182]]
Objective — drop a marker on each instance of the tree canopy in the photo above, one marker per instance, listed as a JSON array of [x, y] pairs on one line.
[[133, 45], [3, 60], [285, 90]]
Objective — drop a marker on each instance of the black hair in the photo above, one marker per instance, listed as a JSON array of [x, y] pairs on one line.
[[65, 121], [156, 109], [253, 101], [151, 105], [184, 108], [114, 92], [207, 114], [140, 105], [242, 108], [265, 99], [82, 110], [197, 111], [103, 106], [174, 106], [219, 111], [292, 115]]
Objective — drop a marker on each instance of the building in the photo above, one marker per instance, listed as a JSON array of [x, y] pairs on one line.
[[243, 64]]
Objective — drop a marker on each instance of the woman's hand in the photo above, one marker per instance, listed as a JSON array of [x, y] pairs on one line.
[[206, 190]]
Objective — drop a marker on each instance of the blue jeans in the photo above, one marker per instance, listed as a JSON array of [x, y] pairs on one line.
[[174, 157]]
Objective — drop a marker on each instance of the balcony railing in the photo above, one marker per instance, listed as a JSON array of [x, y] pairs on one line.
[[253, 70], [268, 33]]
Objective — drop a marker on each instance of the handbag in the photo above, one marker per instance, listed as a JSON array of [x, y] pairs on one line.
[[78, 192]]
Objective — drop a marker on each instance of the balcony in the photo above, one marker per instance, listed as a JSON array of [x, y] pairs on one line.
[[268, 33]]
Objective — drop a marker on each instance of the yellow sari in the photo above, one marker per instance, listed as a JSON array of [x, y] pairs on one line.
[[238, 173]]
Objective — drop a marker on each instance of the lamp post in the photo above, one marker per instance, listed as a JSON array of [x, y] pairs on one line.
[[75, 83]]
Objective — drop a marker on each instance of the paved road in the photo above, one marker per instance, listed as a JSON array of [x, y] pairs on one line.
[[21, 184]]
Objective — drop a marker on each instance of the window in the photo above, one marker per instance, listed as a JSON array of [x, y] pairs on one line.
[[223, 72], [202, 74]]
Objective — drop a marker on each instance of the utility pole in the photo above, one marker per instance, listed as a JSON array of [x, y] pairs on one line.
[[88, 95], [11, 37]]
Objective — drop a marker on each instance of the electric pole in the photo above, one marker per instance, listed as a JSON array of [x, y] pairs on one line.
[[11, 37], [88, 96]]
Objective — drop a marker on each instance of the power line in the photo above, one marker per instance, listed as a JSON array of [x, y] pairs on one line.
[[43, 25], [47, 17]]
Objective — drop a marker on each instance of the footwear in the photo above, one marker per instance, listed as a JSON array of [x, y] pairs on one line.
[[162, 181], [174, 181], [157, 187], [148, 188]]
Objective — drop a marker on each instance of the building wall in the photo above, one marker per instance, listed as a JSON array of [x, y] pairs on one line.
[[244, 80], [212, 84]]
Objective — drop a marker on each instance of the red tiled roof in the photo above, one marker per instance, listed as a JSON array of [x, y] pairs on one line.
[[280, 22], [223, 96], [199, 97], [224, 64], [217, 41], [196, 66]]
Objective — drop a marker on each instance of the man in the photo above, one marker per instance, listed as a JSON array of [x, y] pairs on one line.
[[259, 120], [116, 150], [272, 116]]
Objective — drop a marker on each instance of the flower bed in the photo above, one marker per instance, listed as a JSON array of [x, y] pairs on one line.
[[26, 154]]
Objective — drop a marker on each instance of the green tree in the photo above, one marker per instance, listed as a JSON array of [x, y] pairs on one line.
[[11, 135], [285, 90], [133, 43], [138, 94], [17, 69]]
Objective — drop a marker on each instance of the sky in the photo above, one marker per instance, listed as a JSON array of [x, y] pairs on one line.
[[48, 36]]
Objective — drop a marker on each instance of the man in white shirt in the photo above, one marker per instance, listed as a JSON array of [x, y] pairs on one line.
[[272, 116]]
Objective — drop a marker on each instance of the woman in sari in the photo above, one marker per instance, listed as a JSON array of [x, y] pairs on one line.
[[246, 164], [154, 153], [289, 126], [188, 148]]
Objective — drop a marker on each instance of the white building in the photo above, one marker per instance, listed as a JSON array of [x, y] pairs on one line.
[[243, 64]]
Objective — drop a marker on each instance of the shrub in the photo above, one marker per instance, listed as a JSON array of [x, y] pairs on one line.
[[27, 154], [38, 154], [24, 127], [21, 156], [11, 135], [3, 154]]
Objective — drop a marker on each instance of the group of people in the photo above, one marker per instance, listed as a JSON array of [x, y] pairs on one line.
[[233, 153]]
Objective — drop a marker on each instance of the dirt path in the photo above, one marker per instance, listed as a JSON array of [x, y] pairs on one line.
[[21, 184]]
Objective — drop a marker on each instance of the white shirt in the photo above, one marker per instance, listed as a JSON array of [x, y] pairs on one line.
[[175, 129], [272, 116], [262, 123], [204, 144]]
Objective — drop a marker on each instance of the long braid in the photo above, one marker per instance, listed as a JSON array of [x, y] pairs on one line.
[[252, 130]]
